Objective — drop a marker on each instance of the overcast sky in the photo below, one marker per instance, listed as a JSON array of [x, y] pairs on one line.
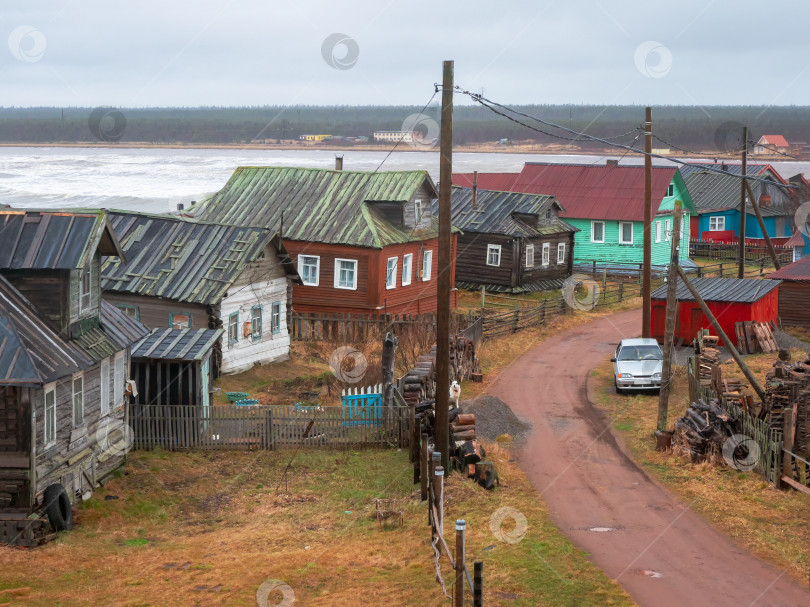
[[270, 52]]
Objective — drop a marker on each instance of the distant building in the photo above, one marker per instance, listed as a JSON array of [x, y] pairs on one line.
[[312, 138], [395, 136], [772, 144]]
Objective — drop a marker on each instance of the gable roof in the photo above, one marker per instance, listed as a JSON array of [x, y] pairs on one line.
[[712, 191], [318, 205], [799, 270], [496, 213], [175, 258], [777, 141], [596, 191], [54, 240], [732, 290], [756, 169], [502, 182], [797, 240]]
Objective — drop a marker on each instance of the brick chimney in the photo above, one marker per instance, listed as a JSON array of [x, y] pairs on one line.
[[338, 163]]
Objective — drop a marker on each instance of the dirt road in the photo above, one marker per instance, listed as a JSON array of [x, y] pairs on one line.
[[659, 550]]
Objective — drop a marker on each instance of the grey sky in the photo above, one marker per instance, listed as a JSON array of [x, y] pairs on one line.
[[265, 52]]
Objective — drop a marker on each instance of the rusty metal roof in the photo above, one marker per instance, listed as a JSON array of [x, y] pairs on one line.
[[54, 240], [177, 344], [503, 182], [731, 290], [500, 213], [317, 205], [174, 258], [799, 270]]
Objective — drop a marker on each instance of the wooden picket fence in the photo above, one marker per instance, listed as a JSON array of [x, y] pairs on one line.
[[182, 427], [363, 403]]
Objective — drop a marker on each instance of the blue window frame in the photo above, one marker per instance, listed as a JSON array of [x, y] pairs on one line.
[[179, 320], [130, 310], [256, 323], [275, 317], [233, 328]]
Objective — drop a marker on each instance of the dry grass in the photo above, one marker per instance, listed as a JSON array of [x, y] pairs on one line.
[[773, 524], [209, 528], [798, 332]]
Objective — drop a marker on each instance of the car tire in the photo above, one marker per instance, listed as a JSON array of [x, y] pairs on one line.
[[57, 508], [618, 389]]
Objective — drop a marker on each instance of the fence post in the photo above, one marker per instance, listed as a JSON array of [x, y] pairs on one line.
[[787, 445], [483, 297], [700, 272], [517, 317], [458, 591], [721, 269], [640, 272], [434, 461], [761, 266], [438, 498], [621, 291], [478, 584], [593, 272], [423, 467]]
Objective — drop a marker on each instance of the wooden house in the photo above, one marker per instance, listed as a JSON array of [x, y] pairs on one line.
[[605, 203], [794, 293], [183, 274], [364, 242], [731, 300], [510, 242], [771, 145], [63, 366]]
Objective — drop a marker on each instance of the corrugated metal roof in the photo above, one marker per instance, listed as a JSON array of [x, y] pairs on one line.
[[31, 353], [174, 258], [778, 141], [798, 270], [797, 240], [495, 213], [317, 205], [595, 191], [503, 182], [733, 168], [732, 290], [712, 192], [53, 240], [177, 344]]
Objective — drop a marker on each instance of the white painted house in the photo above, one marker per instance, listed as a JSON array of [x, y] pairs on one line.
[[187, 274]]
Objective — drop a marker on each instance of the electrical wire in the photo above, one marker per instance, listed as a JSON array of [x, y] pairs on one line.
[[396, 143], [772, 149]]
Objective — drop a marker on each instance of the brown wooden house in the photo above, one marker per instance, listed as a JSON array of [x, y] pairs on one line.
[[794, 293], [511, 242], [363, 242], [63, 366]]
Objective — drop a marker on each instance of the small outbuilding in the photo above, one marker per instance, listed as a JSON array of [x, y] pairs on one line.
[[794, 293], [731, 300]]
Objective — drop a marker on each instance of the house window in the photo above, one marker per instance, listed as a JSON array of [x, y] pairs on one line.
[[529, 255], [105, 386], [417, 211], [625, 232], [130, 310], [275, 317], [346, 274], [119, 375], [407, 266], [256, 323], [84, 290], [546, 253], [391, 273], [179, 320], [717, 223], [233, 328], [427, 265], [668, 229], [78, 400], [657, 231], [597, 231], [671, 190], [560, 252], [493, 254], [50, 415], [308, 268]]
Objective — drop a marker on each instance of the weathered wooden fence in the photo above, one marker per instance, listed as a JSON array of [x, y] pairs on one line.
[[349, 327], [179, 427], [729, 250]]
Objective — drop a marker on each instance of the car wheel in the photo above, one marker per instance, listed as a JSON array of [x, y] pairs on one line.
[[57, 508], [618, 389]]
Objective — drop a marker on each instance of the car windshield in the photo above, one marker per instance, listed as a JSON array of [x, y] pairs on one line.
[[640, 353]]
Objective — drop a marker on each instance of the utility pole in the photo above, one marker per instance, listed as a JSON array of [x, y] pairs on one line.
[[741, 252], [443, 296], [646, 283], [672, 311]]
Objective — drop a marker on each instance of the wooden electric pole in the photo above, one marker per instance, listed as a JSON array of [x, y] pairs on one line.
[[672, 312], [741, 250], [646, 283], [443, 297]]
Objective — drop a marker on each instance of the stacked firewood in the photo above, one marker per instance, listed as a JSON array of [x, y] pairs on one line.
[[703, 430], [753, 337], [469, 459], [786, 385], [419, 384]]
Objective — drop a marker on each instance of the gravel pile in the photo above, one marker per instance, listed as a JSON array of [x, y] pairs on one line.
[[493, 417], [783, 340]]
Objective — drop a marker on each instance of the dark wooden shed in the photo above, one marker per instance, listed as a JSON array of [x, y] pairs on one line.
[[794, 293]]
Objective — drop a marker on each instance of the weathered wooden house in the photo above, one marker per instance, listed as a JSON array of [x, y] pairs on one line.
[[510, 242], [183, 274], [63, 366], [794, 293], [364, 242]]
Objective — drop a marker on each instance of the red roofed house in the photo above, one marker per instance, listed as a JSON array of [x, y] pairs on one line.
[[772, 144], [606, 203]]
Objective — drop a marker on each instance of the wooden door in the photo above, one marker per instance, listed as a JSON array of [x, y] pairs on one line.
[[15, 432]]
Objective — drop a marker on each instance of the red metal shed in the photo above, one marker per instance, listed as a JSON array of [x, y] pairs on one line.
[[731, 300]]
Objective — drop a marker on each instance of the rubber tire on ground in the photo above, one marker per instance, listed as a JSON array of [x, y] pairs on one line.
[[618, 390], [57, 507]]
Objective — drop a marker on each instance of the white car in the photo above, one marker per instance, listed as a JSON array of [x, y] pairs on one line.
[[637, 365]]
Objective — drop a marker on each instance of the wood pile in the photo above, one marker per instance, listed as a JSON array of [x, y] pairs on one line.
[[786, 385], [753, 337], [419, 384], [703, 430]]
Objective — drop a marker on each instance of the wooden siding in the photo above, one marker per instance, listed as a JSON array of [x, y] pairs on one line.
[[553, 270], [94, 267], [308, 298], [155, 312], [48, 291], [15, 438], [794, 298], [409, 210], [168, 383], [418, 297], [471, 260]]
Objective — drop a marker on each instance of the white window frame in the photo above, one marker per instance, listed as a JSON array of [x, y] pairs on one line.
[[338, 261], [418, 211], [119, 380], [427, 265], [560, 253], [593, 225], [85, 294], [529, 255], [668, 230], [78, 421], [104, 370], [717, 220], [391, 272], [317, 259], [494, 248], [621, 232], [407, 264], [657, 231], [546, 254], [49, 425]]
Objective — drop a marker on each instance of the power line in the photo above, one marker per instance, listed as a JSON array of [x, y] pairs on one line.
[[774, 150], [398, 141]]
